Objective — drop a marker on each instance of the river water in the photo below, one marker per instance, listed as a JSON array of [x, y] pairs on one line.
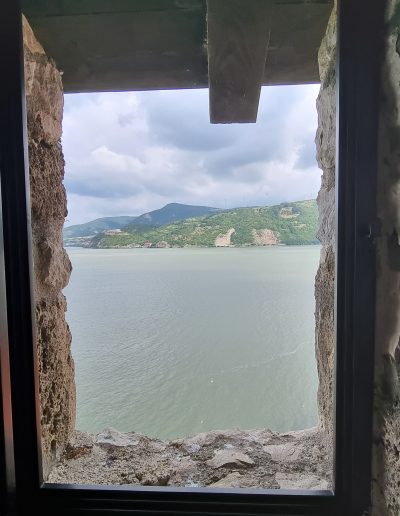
[[172, 342]]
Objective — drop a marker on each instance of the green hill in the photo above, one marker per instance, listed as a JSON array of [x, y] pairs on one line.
[[288, 224], [96, 226], [80, 234]]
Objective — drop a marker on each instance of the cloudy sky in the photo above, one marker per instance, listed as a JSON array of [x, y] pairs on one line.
[[128, 153]]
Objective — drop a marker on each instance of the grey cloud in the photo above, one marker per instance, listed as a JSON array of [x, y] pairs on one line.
[[102, 187], [104, 183], [181, 118], [183, 121], [255, 149], [126, 119], [166, 188], [99, 190], [307, 156], [254, 175]]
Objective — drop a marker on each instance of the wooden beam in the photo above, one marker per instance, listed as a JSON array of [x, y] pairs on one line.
[[237, 36], [159, 44]]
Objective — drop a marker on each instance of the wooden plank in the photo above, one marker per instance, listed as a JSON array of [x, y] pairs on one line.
[[237, 36]]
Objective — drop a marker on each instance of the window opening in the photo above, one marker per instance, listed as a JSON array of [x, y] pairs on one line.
[[191, 299]]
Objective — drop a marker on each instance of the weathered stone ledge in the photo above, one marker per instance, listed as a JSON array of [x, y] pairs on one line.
[[224, 459]]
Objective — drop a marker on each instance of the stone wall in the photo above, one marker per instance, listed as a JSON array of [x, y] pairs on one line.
[[52, 267], [386, 452], [325, 279]]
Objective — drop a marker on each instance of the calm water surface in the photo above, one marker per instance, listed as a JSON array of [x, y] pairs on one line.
[[171, 342]]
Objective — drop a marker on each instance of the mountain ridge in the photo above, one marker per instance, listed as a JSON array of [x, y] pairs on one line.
[[167, 214], [292, 223], [171, 212]]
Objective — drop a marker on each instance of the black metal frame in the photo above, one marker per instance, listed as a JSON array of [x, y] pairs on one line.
[[360, 47]]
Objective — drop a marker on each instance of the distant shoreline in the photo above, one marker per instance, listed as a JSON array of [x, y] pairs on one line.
[[194, 247]]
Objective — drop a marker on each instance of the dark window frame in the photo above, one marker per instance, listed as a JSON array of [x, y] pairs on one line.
[[360, 44]]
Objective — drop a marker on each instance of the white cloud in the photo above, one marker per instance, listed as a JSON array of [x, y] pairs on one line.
[[109, 160]]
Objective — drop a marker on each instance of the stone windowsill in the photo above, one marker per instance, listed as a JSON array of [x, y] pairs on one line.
[[230, 458]]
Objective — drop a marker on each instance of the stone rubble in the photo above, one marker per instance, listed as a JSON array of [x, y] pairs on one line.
[[223, 459]]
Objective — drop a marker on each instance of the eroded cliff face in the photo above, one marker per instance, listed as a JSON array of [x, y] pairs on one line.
[[325, 279], [386, 452], [52, 268]]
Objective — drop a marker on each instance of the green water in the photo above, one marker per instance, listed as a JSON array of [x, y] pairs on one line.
[[171, 342]]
